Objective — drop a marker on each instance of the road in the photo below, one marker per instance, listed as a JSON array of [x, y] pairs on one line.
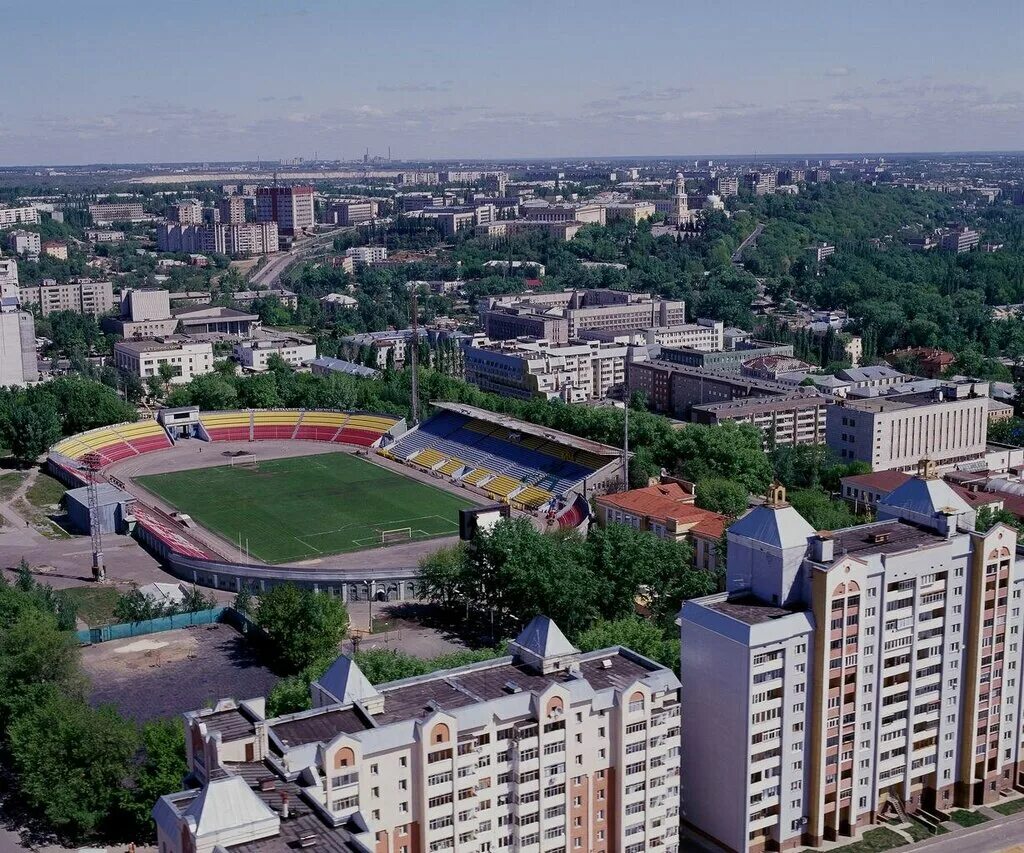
[[737, 256], [269, 275]]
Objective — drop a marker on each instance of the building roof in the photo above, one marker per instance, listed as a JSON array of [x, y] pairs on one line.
[[663, 501], [778, 526], [191, 314], [226, 803], [339, 365], [881, 481], [925, 496], [749, 609], [545, 639], [346, 682]]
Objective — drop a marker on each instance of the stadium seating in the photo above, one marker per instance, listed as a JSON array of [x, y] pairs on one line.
[[320, 426], [274, 424], [115, 442], [226, 426], [492, 450], [364, 430], [429, 458], [144, 436]]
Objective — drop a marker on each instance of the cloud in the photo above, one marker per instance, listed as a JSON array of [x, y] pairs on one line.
[[282, 99], [443, 86], [839, 71]]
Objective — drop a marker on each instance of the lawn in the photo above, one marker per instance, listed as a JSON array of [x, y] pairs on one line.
[[1012, 807], [966, 818], [919, 832], [94, 604], [309, 506], [39, 505], [873, 841]]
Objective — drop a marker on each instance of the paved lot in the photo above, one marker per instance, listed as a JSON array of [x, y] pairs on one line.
[[166, 674]]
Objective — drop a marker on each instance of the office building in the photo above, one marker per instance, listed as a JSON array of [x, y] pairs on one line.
[[24, 243], [526, 368], [705, 335], [82, 296], [959, 240], [948, 424], [850, 675], [563, 316], [731, 360], [352, 212], [106, 214], [667, 510], [367, 254], [760, 183], [256, 354], [800, 417], [232, 210], [632, 212], [290, 207], [99, 236], [586, 212], [18, 216], [144, 358], [545, 749]]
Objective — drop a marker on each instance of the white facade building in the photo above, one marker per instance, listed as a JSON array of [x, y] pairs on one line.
[[144, 358], [255, 354]]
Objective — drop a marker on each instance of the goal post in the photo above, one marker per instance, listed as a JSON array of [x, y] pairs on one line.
[[399, 534], [247, 460]]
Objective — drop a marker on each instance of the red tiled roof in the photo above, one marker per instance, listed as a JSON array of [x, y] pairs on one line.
[[880, 481], [668, 500]]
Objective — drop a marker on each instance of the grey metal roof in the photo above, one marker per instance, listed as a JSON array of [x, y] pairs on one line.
[[780, 527]]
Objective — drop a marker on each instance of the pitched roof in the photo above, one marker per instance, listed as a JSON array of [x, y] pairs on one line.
[[346, 682], [925, 497], [227, 803], [545, 639], [778, 526], [663, 501], [882, 481]]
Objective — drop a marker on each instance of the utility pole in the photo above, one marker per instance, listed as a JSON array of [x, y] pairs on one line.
[[414, 386]]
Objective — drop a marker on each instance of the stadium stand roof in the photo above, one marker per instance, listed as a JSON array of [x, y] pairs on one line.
[[530, 429]]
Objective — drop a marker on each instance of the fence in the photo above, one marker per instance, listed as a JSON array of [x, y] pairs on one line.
[[151, 626]]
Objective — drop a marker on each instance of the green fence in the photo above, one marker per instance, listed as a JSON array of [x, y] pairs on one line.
[[151, 626]]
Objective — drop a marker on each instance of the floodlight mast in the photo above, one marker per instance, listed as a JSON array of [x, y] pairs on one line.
[[91, 464]]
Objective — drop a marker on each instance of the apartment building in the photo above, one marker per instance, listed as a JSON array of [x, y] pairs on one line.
[[55, 249], [98, 236], [290, 207], [526, 368], [232, 210], [727, 185], [546, 749], [849, 675], [188, 212], [256, 354], [367, 254], [83, 296], [106, 214], [760, 183], [819, 252], [18, 364], [948, 424], [667, 510], [144, 358], [236, 239], [453, 220], [566, 314], [418, 179], [959, 240], [18, 216], [8, 277], [797, 418], [24, 243]]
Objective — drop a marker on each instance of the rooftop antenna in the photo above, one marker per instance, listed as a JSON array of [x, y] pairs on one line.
[[414, 386], [91, 464]]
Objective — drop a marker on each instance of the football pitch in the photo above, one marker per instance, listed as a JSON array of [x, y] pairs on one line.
[[309, 506]]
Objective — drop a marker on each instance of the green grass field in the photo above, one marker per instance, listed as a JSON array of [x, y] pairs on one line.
[[308, 506]]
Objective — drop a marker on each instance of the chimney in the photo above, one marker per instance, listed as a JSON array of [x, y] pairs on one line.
[[284, 805], [823, 547]]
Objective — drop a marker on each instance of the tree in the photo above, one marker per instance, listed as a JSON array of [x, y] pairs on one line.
[[34, 654], [133, 606], [733, 451], [382, 665], [160, 768], [634, 633], [302, 627], [134, 390], [723, 496], [194, 599], [441, 577], [288, 696], [988, 517], [31, 428], [71, 760], [820, 511]]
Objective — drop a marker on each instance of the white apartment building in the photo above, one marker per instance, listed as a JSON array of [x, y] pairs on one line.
[[367, 254], [99, 236], [8, 277], [188, 212], [105, 214], [948, 425], [237, 239], [232, 210], [547, 749], [83, 297], [849, 675], [24, 243], [526, 368], [291, 208], [704, 335], [18, 364], [255, 354], [18, 215], [143, 358]]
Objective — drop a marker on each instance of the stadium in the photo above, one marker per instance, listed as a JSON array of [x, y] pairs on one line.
[[343, 501]]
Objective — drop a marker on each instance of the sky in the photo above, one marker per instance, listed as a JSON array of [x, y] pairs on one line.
[[113, 81]]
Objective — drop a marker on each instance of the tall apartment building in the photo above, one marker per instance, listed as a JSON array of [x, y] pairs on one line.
[[547, 749], [290, 207], [527, 368], [105, 214], [848, 675], [8, 277], [237, 239], [186, 212], [144, 358], [760, 183], [24, 243], [83, 297], [563, 316], [232, 210], [727, 185], [948, 424], [18, 215]]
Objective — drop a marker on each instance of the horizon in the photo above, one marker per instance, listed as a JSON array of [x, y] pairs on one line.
[[240, 81]]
